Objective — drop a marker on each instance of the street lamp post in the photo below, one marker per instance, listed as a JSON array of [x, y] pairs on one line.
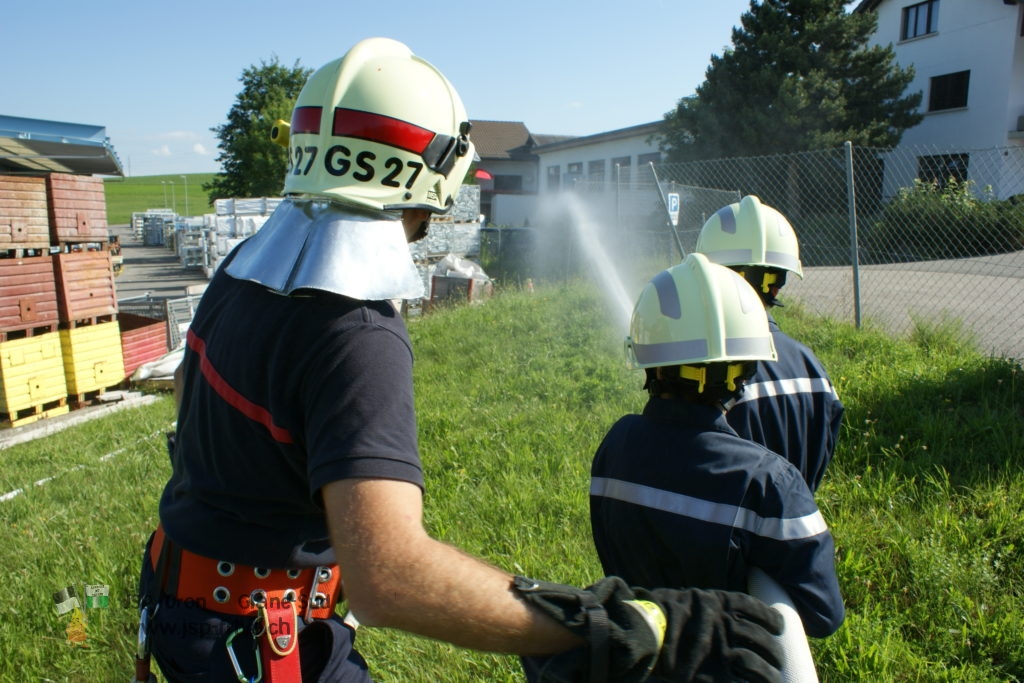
[[185, 178], [163, 184], [174, 200]]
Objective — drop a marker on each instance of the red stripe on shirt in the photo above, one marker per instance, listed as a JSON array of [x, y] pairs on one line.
[[231, 395], [384, 129]]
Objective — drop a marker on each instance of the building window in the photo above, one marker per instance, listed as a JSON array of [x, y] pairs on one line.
[[508, 184], [941, 168], [554, 176], [649, 158], [920, 19], [595, 170], [949, 91], [622, 168], [575, 168]]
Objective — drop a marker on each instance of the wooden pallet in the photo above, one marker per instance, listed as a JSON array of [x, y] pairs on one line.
[[34, 413], [89, 398], [9, 335], [20, 252], [85, 322]]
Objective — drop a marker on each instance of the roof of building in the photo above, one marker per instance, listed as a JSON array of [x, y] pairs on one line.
[[496, 140], [867, 5], [35, 146], [583, 140]]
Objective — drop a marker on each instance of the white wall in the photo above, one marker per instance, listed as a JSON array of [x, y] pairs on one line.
[[977, 35], [513, 210], [605, 150]]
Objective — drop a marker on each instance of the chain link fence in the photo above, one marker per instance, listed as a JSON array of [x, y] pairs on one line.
[[892, 237]]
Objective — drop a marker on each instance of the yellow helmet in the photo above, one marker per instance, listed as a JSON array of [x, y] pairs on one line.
[[750, 233], [381, 129], [697, 313]]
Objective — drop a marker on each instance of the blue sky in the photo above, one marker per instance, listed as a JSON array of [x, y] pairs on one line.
[[159, 75]]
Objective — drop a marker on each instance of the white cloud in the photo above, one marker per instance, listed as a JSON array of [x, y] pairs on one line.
[[162, 151], [199, 149]]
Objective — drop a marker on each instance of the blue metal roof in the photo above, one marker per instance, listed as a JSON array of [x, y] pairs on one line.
[[35, 146]]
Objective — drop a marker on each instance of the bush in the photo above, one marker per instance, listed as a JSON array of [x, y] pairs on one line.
[[953, 220]]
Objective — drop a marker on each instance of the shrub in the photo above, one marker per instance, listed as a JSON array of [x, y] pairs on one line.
[[951, 220]]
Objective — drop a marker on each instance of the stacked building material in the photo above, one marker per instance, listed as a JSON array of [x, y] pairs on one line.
[[60, 341]]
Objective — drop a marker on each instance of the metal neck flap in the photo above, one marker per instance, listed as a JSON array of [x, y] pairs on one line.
[[310, 244]]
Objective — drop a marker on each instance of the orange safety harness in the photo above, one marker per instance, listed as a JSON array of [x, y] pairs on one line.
[[275, 598]]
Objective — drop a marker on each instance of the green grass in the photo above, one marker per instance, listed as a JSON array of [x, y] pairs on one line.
[[925, 496], [126, 196]]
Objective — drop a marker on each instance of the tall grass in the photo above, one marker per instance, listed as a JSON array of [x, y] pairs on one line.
[[126, 196], [924, 496]]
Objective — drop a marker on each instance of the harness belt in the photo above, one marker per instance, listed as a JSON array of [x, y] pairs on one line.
[[276, 598]]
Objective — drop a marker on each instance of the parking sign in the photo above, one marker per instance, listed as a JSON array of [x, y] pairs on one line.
[[673, 207]]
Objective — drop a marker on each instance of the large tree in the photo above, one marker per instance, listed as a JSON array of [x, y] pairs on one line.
[[251, 164], [800, 75]]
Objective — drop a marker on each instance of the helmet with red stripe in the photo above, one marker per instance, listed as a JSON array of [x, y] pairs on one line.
[[381, 129]]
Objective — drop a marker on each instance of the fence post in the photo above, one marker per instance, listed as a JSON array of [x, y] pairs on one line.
[[851, 201], [668, 217]]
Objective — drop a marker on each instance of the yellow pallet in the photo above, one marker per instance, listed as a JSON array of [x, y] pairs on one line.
[[93, 358], [29, 415], [31, 374]]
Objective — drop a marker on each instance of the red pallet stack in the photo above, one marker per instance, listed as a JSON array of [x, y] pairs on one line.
[[32, 382]]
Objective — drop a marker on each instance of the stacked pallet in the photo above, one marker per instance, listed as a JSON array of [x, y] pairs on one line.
[[60, 342]]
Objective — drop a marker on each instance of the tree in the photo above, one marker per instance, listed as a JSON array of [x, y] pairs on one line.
[[252, 165], [799, 76]]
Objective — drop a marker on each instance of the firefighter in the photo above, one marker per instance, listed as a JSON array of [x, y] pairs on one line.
[[677, 497], [789, 406], [295, 465]]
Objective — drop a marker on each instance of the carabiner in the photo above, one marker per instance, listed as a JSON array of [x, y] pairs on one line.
[[239, 674]]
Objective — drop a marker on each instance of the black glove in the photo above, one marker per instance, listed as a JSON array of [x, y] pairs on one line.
[[680, 635]]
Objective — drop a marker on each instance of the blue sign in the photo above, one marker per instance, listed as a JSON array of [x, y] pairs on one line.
[[673, 207]]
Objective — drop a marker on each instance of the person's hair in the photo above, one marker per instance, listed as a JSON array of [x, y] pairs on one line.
[[673, 385]]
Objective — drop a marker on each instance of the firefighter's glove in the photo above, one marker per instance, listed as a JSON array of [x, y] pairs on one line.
[[678, 635]]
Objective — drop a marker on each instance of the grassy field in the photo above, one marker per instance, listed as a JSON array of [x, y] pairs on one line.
[[126, 196], [925, 496]]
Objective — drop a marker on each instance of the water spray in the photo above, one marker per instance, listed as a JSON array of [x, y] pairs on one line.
[[588, 234]]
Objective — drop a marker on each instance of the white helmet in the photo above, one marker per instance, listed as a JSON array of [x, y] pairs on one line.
[[697, 313], [754, 239], [381, 129]]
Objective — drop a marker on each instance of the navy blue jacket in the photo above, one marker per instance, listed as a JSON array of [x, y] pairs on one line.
[[677, 498], [791, 408]]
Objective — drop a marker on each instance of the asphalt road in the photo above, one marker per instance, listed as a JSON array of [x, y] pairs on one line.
[[152, 270], [986, 294]]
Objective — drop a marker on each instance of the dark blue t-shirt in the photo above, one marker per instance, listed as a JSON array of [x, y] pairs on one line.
[[282, 395]]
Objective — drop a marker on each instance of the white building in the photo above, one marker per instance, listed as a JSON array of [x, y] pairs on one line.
[[968, 57]]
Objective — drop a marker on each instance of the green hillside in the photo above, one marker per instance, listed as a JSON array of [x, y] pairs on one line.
[[183, 193]]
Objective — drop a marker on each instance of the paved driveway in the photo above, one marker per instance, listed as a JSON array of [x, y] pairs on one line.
[[985, 293], [154, 270]]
